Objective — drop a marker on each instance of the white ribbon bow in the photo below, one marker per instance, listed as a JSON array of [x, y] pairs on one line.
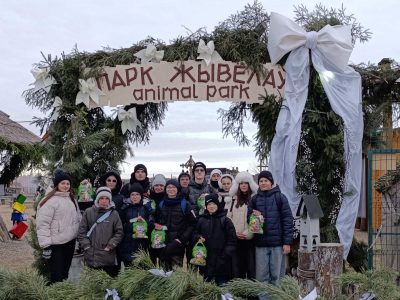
[[88, 93], [227, 296], [42, 79], [129, 120], [56, 106], [150, 53], [330, 50], [311, 296], [113, 293], [334, 42], [208, 53], [160, 272]]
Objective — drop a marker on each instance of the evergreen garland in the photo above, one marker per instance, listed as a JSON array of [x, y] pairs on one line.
[[137, 282]]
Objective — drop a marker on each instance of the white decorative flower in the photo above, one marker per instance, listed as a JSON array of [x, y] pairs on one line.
[[88, 91], [208, 53], [129, 120], [42, 79], [150, 53]]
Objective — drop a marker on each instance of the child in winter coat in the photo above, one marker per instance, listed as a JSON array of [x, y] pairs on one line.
[[177, 215], [57, 223], [100, 231], [277, 235], [243, 188], [133, 210], [225, 183], [218, 234]]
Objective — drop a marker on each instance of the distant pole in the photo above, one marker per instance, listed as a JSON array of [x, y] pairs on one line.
[[262, 166]]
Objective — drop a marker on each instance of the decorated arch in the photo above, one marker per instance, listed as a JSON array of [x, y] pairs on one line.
[[231, 63]]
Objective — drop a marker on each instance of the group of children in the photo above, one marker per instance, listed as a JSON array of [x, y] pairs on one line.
[[206, 221]]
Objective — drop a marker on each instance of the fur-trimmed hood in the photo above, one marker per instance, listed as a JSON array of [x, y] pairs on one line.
[[243, 177], [224, 176]]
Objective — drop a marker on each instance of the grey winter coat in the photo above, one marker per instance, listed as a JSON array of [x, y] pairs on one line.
[[108, 233]]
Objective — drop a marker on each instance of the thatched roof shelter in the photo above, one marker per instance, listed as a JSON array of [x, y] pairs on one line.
[[14, 132]]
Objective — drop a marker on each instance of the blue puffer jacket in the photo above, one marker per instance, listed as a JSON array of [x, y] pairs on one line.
[[278, 218]]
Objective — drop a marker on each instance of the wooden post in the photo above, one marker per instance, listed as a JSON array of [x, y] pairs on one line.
[[328, 266], [3, 231], [306, 270]]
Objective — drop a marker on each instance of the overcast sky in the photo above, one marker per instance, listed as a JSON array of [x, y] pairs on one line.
[[52, 27]]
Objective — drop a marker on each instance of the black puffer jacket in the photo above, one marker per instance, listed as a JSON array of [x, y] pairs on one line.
[[278, 218], [220, 235], [180, 222], [130, 245]]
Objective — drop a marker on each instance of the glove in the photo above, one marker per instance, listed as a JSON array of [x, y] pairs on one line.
[[46, 254]]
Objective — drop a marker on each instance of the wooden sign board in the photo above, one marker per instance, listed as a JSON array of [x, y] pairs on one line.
[[187, 81]]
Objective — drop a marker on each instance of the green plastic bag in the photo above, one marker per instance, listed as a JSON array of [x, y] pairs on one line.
[[158, 238], [201, 203], [139, 229], [256, 224], [199, 254]]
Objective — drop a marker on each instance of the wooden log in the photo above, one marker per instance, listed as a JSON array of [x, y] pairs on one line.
[[4, 235], [328, 266], [306, 271]]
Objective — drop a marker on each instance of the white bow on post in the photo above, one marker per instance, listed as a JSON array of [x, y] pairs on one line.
[[88, 93], [208, 53], [150, 53], [43, 80], [129, 120], [330, 51], [113, 293], [56, 106]]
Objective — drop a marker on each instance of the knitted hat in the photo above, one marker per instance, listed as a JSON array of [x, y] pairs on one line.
[[136, 188], [215, 171], [140, 167], [173, 182], [199, 164], [158, 179], [266, 174], [182, 175], [212, 198], [103, 192], [60, 175]]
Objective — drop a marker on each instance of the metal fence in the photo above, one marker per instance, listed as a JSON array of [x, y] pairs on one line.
[[384, 209]]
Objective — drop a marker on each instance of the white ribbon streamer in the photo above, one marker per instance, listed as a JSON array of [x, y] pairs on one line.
[[113, 293], [89, 94], [311, 296], [42, 79], [150, 53], [160, 272], [129, 120], [208, 53], [56, 106], [330, 50]]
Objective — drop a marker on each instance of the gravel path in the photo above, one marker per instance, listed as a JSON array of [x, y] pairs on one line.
[[16, 255]]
